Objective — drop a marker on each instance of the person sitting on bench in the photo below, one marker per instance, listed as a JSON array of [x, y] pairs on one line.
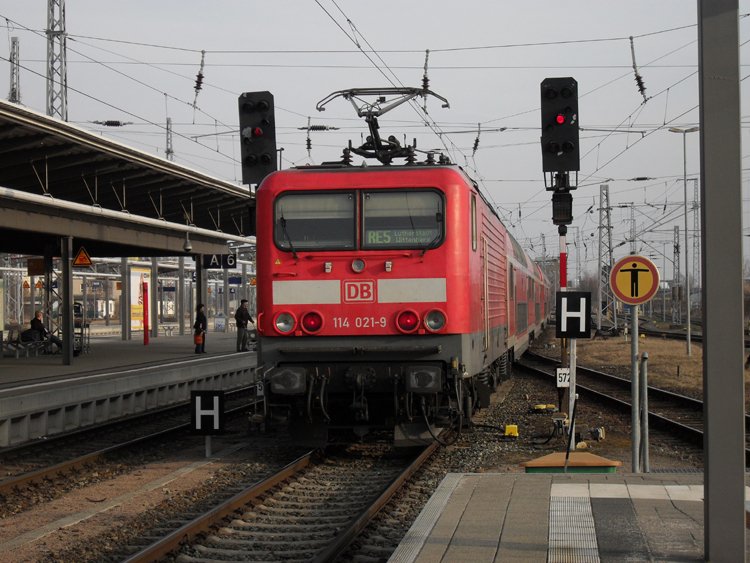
[[38, 327]]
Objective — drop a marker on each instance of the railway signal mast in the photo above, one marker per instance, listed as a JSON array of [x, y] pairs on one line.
[[560, 156]]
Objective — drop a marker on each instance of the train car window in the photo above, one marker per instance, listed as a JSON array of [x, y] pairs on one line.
[[315, 221], [473, 221], [402, 219], [517, 250], [512, 283]]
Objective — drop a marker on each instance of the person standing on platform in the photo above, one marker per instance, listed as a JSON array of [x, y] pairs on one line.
[[200, 327], [242, 316]]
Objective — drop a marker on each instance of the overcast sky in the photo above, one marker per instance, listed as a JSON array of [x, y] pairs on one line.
[[136, 62]]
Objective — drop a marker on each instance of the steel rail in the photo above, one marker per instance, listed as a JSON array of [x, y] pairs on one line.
[[45, 473], [345, 538], [694, 433], [202, 524], [160, 549]]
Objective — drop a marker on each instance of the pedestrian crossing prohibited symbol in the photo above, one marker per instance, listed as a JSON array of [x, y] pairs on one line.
[[634, 280]]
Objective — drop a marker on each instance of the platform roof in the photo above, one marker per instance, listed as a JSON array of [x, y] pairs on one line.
[[57, 179]]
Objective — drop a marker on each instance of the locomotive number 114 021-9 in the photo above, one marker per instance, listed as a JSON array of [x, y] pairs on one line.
[[359, 322]]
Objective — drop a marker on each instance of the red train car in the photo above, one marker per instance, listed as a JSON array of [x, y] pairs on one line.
[[388, 297]]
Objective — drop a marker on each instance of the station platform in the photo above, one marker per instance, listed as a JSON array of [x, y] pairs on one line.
[[108, 352], [557, 517], [40, 397]]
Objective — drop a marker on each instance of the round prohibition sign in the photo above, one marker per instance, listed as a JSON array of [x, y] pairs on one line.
[[634, 280]]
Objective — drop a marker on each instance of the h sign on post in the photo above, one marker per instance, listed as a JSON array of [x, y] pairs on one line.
[[207, 412], [573, 314]]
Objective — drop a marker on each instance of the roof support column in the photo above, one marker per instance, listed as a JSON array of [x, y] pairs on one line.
[[723, 342], [154, 298], [67, 301], [180, 295], [124, 300], [200, 285]]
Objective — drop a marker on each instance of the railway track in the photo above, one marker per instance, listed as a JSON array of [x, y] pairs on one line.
[[669, 411], [311, 510], [25, 465], [646, 327]]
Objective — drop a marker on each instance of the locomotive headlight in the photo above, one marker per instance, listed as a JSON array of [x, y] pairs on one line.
[[288, 380], [434, 320], [407, 321], [312, 322], [285, 323], [424, 379], [358, 265]]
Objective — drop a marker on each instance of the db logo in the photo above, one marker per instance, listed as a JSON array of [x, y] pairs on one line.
[[359, 291]]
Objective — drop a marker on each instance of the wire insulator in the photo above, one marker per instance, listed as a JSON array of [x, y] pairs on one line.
[[113, 123], [425, 77], [638, 77], [425, 81], [199, 81]]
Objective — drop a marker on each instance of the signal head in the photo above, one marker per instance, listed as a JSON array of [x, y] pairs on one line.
[[559, 105], [257, 136]]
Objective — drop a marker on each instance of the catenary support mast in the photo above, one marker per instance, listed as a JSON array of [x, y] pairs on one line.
[[57, 66]]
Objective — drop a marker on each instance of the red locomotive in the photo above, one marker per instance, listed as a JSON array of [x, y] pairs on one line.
[[389, 297]]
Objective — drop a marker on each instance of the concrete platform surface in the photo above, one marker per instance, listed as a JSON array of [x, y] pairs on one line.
[[498, 517], [41, 397], [111, 353]]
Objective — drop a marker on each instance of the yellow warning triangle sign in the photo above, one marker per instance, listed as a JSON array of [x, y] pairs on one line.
[[82, 258]]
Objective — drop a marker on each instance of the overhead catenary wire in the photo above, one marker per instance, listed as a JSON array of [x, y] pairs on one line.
[[389, 51], [127, 112], [393, 81], [484, 146]]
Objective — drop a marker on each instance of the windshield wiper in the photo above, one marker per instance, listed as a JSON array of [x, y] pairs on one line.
[[439, 220], [286, 235]]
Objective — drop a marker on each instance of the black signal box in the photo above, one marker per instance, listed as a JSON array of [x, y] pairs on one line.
[[257, 136], [560, 150]]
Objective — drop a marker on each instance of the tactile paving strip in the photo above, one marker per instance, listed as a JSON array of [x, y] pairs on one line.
[[572, 536]]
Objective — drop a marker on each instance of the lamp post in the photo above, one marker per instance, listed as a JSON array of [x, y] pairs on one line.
[[684, 178]]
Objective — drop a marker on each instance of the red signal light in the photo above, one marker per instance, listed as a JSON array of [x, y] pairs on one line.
[[560, 119], [407, 321], [312, 322], [257, 132]]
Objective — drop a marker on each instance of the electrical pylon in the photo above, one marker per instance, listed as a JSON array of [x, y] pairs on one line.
[[14, 95], [57, 66], [606, 302], [169, 151], [676, 282]]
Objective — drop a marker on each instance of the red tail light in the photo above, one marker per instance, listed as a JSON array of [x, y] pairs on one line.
[[407, 321], [312, 322]]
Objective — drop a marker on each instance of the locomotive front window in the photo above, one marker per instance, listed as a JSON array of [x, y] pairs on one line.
[[402, 219], [315, 221]]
